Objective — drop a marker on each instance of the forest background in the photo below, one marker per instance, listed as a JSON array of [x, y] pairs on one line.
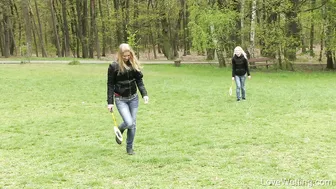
[[173, 29]]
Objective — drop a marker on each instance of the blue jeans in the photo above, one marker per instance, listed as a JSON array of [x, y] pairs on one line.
[[240, 86], [128, 108]]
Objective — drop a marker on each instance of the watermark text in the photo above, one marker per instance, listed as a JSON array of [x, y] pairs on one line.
[[295, 182]]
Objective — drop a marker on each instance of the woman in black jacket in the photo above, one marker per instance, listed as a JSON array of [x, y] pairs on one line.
[[239, 70], [123, 79]]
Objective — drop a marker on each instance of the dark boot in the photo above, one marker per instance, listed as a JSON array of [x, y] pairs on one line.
[[130, 151]]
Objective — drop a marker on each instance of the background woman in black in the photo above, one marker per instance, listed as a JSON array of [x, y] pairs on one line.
[[239, 71]]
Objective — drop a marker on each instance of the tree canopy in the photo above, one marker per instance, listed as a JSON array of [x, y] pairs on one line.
[[95, 28]]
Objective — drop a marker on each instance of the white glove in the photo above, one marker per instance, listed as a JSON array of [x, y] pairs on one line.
[[146, 99], [110, 107], [232, 78]]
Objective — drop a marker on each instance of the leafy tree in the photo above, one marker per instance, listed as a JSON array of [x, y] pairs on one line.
[[211, 27]]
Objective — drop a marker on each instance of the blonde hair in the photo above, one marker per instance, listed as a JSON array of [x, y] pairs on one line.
[[133, 59], [239, 50]]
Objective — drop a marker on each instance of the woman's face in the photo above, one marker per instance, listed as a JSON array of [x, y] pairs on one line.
[[238, 52], [126, 56]]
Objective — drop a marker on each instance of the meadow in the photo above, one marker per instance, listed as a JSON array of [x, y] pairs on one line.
[[56, 132]]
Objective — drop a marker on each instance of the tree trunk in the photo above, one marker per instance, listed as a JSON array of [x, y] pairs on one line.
[[125, 19], [252, 32], [279, 57], [321, 44], [312, 28], [167, 48], [7, 28], [55, 31], [185, 27], [293, 31], [303, 44], [324, 17], [330, 30], [118, 26], [104, 35], [95, 29], [84, 29], [334, 58], [242, 16], [6, 37], [210, 54], [211, 51], [330, 64], [221, 59], [66, 36], [16, 15], [2, 45], [174, 36], [34, 34], [25, 8], [91, 30], [43, 49], [189, 44]]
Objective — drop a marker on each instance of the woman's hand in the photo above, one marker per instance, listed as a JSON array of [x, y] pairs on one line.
[[146, 99], [110, 107]]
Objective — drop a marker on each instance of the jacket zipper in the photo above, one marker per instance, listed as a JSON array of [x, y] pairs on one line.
[[129, 84]]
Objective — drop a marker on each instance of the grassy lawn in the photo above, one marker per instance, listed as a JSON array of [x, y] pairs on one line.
[[56, 131]]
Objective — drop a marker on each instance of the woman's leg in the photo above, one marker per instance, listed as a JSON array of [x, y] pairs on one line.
[[242, 81], [123, 108], [128, 110], [133, 109], [238, 86]]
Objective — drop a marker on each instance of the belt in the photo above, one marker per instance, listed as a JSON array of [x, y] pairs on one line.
[[127, 98]]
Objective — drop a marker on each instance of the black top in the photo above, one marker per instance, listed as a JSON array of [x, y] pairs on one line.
[[239, 66], [123, 83]]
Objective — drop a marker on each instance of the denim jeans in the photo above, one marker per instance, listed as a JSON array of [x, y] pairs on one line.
[[128, 108], [240, 86]]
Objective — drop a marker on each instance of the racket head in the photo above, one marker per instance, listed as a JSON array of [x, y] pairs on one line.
[[118, 133]]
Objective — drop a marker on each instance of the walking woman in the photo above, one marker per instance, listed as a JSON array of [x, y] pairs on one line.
[[239, 70], [124, 78]]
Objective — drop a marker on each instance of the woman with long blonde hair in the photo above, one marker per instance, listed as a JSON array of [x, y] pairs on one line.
[[240, 69], [124, 78]]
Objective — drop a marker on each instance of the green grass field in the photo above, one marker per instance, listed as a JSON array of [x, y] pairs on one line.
[[56, 131]]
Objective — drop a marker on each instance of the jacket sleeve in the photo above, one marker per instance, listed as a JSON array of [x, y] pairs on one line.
[[140, 83], [246, 66], [111, 80], [233, 67]]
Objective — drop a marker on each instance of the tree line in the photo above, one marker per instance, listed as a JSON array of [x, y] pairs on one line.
[[95, 28]]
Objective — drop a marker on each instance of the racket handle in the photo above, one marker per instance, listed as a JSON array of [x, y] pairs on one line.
[[114, 119]]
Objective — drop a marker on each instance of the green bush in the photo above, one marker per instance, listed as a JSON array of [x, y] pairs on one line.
[[74, 62]]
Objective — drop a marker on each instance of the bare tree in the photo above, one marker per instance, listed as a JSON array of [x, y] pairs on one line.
[[26, 16], [82, 26], [6, 23], [94, 30], [293, 30], [55, 31], [253, 25], [104, 33], [66, 37], [312, 28], [330, 31], [44, 52]]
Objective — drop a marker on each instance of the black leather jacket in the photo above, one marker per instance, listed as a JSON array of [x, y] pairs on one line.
[[124, 84], [239, 66]]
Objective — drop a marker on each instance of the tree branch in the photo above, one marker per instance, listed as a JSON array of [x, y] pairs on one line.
[[318, 7]]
